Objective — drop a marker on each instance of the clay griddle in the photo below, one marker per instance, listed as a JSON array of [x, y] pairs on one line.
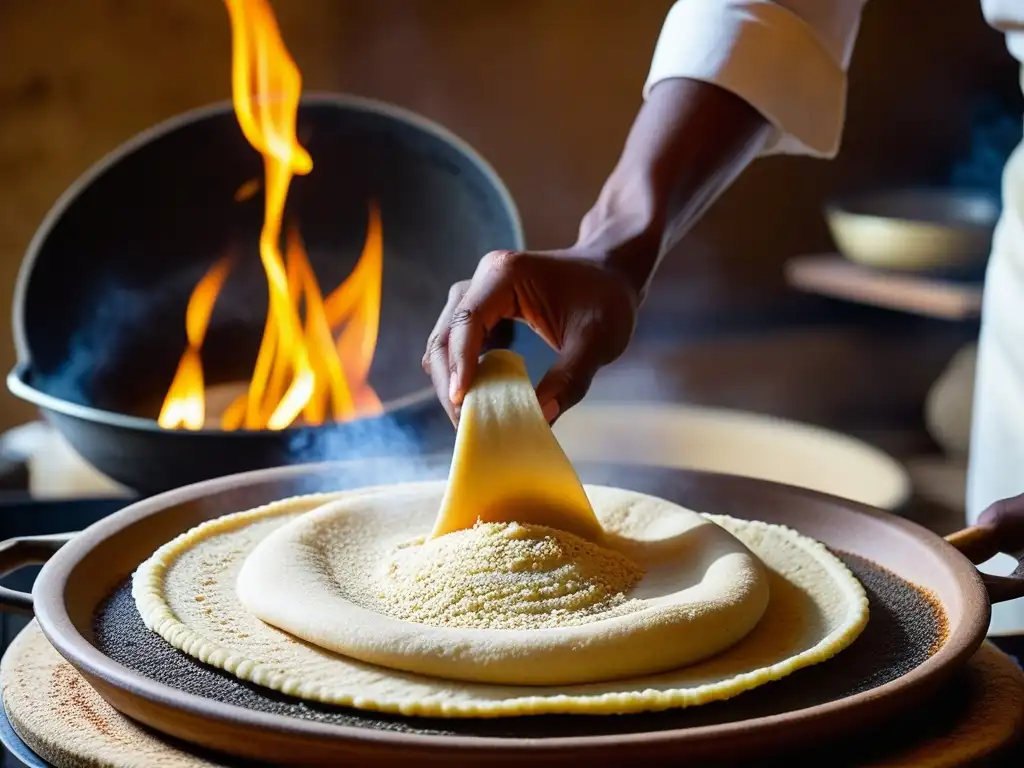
[[904, 629]]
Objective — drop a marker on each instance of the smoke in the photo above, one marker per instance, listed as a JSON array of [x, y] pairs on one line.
[[94, 347], [123, 342], [996, 130], [408, 445]]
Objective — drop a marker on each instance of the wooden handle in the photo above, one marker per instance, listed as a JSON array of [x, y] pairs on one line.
[[1000, 530], [977, 543]]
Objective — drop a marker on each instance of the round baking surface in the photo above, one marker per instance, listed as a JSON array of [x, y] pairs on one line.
[[187, 594], [903, 630], [64, 721], [72, 599]]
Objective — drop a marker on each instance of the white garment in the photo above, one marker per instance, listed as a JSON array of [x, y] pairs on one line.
[[789, 59]]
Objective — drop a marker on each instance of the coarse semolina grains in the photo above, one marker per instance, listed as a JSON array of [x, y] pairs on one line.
[[506, 576]]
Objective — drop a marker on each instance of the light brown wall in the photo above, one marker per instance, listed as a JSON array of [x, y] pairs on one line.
[[545, 89]]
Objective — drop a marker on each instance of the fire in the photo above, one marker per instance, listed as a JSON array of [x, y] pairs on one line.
[[315, 354], [185, 405]]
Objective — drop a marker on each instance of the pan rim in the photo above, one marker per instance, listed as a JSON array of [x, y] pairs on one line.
[[18, 386], [55, 622]]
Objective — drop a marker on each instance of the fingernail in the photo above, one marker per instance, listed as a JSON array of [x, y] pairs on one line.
[[453, 393], [550, 409]]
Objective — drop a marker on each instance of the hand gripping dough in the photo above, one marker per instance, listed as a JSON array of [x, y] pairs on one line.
[[507, 463]]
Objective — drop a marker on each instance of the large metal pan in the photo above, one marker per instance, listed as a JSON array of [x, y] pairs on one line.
[[99, 304], [875, 678]]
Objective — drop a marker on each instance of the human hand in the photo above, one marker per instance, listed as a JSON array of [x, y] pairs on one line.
[[1007, 517], [688, 142], [583, 309]]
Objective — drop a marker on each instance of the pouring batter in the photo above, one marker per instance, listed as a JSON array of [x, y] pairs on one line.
[[731, 80]]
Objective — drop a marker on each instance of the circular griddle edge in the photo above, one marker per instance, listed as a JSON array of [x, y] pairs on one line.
[[283, 739]]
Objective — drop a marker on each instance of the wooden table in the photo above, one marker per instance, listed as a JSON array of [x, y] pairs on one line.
[[920, 294]]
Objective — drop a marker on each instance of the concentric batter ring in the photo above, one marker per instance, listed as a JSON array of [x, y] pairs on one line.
[[816, 609]]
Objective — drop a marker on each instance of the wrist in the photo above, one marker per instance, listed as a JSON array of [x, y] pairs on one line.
[[688, 143], [623, 233]]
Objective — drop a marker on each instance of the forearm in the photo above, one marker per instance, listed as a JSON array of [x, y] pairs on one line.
[[688, 143], [730, 79]]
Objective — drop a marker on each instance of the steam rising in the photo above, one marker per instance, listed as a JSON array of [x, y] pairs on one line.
[[383, 450]]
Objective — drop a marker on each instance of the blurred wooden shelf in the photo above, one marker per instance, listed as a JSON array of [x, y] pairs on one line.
[[834, 276]]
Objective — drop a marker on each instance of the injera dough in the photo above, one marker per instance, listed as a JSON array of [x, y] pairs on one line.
[[63, 720], [816, 609], [323, 579], [507, 464]]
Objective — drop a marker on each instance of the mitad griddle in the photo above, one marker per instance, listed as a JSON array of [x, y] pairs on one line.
[[99, 304], [916, 638]]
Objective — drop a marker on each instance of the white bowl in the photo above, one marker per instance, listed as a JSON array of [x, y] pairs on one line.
[[914, 229]]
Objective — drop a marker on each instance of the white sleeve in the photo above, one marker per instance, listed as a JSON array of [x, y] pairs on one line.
[[788, 59]]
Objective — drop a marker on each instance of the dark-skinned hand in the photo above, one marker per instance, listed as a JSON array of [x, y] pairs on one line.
[[584, 310]]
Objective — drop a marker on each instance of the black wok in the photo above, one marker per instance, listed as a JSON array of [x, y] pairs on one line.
[[100, 301]]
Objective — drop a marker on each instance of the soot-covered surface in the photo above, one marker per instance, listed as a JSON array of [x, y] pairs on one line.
[[903, 628]]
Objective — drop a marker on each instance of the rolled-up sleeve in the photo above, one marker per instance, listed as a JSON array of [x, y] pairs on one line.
[[788, 59]]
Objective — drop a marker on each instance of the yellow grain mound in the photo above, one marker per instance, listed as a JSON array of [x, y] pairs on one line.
[[506, 576]]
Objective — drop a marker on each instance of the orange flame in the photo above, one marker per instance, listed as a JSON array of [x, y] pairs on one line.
[[302, 371], [185, 405]]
